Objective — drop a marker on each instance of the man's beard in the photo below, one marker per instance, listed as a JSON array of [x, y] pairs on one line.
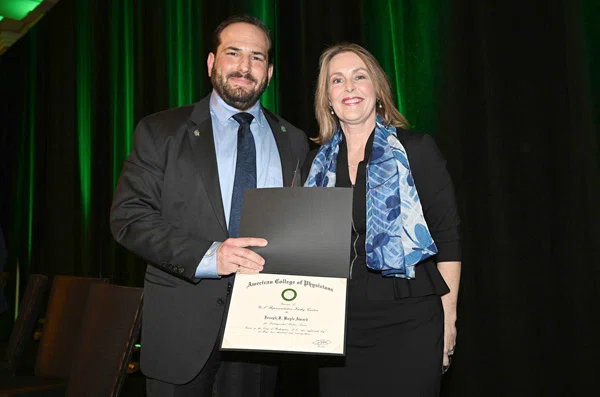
[[240, 98]]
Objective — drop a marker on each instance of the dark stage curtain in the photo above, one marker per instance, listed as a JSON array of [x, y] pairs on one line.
[[507, 90], [519, 135]]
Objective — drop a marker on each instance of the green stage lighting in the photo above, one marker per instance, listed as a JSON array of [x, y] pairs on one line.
[[17, 9]]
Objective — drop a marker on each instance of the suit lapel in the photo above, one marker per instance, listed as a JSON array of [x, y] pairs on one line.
[[283, 145], [204, 157]]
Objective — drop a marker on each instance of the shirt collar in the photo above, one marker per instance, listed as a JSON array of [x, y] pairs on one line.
[[223, 112]]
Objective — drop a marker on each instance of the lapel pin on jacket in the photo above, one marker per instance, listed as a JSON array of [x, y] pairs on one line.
[[196, 133], [283, 128]]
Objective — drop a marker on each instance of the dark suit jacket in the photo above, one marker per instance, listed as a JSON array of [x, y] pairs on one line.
[[168, 209]]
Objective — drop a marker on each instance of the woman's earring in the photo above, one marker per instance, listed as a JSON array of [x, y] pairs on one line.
[[379, 105], [331, 110]]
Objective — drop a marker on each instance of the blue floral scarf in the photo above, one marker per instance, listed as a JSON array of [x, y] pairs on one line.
[[397, 234]]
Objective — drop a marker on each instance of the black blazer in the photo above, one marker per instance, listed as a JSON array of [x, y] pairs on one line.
[[168, 209], [436, 193]]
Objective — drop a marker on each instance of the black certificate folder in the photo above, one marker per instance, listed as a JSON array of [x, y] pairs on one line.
[[308, 229]]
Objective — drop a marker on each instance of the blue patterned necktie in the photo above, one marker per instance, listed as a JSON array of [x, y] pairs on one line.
[[245, 170]]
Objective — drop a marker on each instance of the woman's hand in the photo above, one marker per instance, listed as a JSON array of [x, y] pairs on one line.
[[450, 271], [449, 340]]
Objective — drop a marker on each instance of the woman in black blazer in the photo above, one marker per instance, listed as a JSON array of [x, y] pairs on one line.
[[405, 251]]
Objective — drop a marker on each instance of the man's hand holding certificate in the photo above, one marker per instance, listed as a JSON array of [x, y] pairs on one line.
[[298, 303]]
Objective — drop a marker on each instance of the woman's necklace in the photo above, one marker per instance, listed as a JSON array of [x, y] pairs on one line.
[[356, 152]]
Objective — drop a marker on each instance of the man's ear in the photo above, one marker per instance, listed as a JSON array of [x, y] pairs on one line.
[[210, 61], [270, 73]]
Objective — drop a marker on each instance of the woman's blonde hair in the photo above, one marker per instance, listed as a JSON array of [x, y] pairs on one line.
[[328, 122]]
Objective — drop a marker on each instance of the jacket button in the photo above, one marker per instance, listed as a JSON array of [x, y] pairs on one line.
[[220, 302]]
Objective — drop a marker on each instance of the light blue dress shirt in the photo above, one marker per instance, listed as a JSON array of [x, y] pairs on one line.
[[268, 162]]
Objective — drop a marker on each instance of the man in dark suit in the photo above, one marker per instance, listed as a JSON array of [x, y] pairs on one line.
[[177, 205]]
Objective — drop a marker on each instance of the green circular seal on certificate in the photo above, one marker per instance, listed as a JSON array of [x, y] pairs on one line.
[[289, 294]]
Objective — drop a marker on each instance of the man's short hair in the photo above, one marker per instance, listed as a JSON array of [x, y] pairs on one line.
[[242, 18]]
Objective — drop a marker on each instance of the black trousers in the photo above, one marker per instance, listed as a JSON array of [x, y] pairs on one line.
[[393, 348], [226, 374]]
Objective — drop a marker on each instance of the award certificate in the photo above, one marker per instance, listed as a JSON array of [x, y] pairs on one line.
[[271, 312], [298, 302]]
